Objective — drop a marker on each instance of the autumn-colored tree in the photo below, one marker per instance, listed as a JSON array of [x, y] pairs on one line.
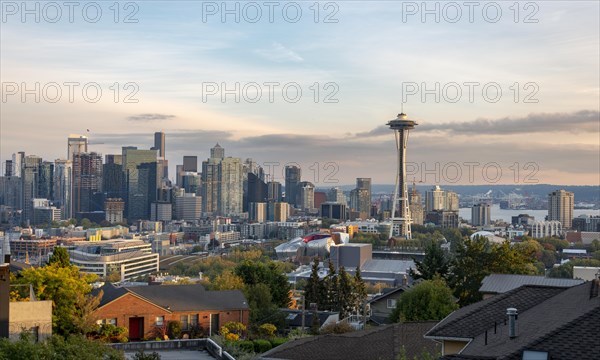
[[227, 281]]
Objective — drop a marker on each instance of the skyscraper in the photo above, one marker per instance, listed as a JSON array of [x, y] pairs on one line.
[[401, 220], [87, 182], [360, 198], [29, 183], [307, 195], [76, 144], [560, 207], [416, 206], [274, 193], [63, 187], [292, 179], [190, 163], [46, 180], [231, 186], [211, 181], [217, 152], [336, 195], [141, 179], [113, 183], [435, 199], [159, 144]]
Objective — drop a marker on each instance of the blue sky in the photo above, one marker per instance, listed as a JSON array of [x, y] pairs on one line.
[[366, 59]]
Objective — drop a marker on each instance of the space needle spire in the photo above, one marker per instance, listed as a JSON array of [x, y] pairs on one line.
[[401, 218]]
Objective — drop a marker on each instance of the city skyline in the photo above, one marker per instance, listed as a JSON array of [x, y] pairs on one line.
[[172, 52]]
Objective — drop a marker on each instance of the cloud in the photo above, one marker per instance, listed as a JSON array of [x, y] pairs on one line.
[[279, 53], [150, 117], [575, 122]]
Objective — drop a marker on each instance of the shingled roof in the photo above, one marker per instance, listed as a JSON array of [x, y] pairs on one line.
[[382, 343], [501, 283], [565, 324], [474, 319], [178, 297]]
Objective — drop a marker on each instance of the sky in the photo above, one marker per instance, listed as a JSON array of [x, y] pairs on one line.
[[502, 93]]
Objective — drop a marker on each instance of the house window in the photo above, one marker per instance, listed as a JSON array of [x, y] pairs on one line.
[[391, 303], [112, 321], [194, 320], [184, 322], [160, 320]]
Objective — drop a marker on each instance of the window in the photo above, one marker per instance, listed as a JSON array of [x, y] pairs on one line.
[[112, 321], [391, 303], [160, 320], [194, 320], [184, 322]]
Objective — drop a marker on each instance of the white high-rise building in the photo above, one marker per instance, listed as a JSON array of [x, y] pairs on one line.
[[435, 199]]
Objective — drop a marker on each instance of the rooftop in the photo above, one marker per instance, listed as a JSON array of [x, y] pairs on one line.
[[501, 283]]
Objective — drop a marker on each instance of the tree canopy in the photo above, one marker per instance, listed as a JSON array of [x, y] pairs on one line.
[[435, 263], [428, 300]]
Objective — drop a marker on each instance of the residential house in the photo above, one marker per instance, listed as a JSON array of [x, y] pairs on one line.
[[293, 319], [144, 310], [526, 323], [383, 305]]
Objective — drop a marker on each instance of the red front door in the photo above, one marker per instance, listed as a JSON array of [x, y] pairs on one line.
[[136, 328]]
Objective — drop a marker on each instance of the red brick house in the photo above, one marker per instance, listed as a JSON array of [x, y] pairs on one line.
[[142, 309]]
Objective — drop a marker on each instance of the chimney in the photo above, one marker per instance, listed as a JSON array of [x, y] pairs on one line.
[[512, 322]]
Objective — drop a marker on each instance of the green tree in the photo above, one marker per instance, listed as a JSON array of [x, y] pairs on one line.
[[256, 272], [345, 300], [69, 291], [428, 300], [566, 270], [60, 256], [315, 290], [227, 281], [477, 258], [435, 263], [331, 285], [360, 290]]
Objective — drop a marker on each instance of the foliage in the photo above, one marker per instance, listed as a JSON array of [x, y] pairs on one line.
[[267, 330], [428, 300], [174, 329], [141, 355], [72, 306], [331, 285], [260, 346], [227, 281], [247, 346], [253, 273], [337, 328], [359, 289], [566, 270], [73, 347], [477, 258], [346, 299], [60, 256], [232, 330], [278, 341], [111, 333], [315, 289], [435, 263]]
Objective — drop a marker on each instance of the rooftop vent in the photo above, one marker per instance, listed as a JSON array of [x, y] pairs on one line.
[[512, 322]]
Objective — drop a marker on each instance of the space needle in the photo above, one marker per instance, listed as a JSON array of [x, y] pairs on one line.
[[401, 220]]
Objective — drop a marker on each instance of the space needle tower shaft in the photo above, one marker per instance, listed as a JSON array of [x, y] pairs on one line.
[[401, 219]]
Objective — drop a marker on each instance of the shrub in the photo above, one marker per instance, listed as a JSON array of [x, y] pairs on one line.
[[339, 328], [278, 341], [246, 346], [174, 329], [267, 330], [260, 346], [141, 355]]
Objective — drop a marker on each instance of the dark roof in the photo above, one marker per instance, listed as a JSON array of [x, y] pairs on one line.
[[501, 283], [388, 292], [474, 319], [563, 325], [294, 317], [382, 343], [179, 297]]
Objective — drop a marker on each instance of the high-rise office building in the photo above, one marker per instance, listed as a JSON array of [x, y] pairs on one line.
[[274, 193], [217, 152], [191, 182], [257, 212], [560, 207], [188, 207], [141, 179], [278, 211], [159, 144], [256, 190], [332, 210], [29, 183], [481, 214], [113, 183], [292, 179], [190, 163], [113, 210], [46, 180], [336, 195], [307, 195], [211, 186], [63, 187], [87, 182], [8, 168], [76, 144], [17, 163], [416, 206], [231, 201], [451, 201]]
